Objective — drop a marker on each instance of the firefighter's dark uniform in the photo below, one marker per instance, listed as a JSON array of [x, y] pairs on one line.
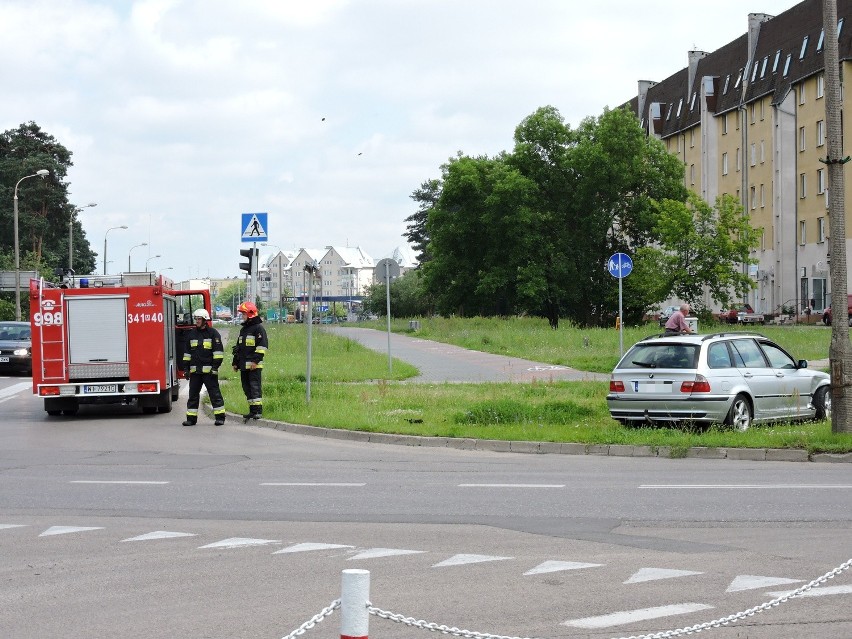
[[251, 346], [201, 360]]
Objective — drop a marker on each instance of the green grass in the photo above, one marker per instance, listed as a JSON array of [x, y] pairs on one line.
[[351, 389]]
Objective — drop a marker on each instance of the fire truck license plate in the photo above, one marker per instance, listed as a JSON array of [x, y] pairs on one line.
[[4, 360], [100, 388]]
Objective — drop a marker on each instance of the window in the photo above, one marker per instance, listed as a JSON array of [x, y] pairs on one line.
[[725, 124], [727, 81], [762, 110], [762, 151], [692, 174], [754, 72], [775, 63], [762, 196], [804, 48], [820, 230], [787, 64], [821, 39], [739, 160], [763, 66], [753, 154], [752, 192], [692, 101], [802, 93], [801, 138], [679, 106], [820, 127], [802, 234], [724, 164], [839, 27], [762, 239], [752, 109], [803, 185], [739, 79], [820, 90], [820, 181], [692, 138]]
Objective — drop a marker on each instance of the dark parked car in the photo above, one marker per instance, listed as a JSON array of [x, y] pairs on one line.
[[16, 347]]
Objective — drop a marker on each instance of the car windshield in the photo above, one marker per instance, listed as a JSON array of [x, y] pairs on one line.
[[14, 332], [661, 355]]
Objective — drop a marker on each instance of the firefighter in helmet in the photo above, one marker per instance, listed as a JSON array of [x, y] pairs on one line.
[[249, 351], [201, 360]]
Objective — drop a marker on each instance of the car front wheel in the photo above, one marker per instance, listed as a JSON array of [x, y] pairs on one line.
[[740, 415], [822, 403]]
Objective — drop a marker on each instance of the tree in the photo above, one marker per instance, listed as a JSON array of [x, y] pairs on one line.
[[701, 249], [426, 197], [44, 212], [407, 295]]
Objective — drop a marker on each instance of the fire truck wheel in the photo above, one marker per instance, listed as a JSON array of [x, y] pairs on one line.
[[175, 392], [54, 413], [165, 405], [69, 412]]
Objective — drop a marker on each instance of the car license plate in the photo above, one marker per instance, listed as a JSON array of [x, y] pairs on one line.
[[652, 387], [4, 360], [100, 388]]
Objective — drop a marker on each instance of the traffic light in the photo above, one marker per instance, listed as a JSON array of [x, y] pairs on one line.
[[249, 254]]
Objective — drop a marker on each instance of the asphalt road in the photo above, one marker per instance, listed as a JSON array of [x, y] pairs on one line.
[[117, 524]]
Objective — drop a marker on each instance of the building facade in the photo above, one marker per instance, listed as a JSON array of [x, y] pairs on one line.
[[749, 120]]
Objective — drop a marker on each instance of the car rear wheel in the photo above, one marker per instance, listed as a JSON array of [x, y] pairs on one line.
[[822, 403], [740, 415]]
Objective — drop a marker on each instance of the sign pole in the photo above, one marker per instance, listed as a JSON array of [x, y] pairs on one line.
[[620, 317]]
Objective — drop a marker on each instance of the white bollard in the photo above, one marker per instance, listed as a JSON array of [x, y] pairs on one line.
[[354, 595]]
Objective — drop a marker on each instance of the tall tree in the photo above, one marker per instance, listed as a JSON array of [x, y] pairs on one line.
[[44, 212], [426, 197]]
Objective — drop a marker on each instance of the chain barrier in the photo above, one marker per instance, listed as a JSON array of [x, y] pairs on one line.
[[313, 621], [724, 621]]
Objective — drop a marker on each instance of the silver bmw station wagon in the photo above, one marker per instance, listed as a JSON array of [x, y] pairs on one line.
[[725, 378]]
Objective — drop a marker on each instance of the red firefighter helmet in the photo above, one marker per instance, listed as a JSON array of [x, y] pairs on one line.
[[248, 308]]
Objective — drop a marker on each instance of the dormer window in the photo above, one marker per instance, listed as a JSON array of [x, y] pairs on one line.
[[763, 66], [679, 106], [754, 73], [804, 48], [787, 64], [727, 81], [692, 102], [839, 27], [775, 63], [739, 79], [821, 39]]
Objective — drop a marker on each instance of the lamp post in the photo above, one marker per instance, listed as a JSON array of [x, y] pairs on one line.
[[153, 257], [43, 173], [130, 252], [77, 209], [105, 244]]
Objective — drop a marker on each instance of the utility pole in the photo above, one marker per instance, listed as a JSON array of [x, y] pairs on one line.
[[840, 350]]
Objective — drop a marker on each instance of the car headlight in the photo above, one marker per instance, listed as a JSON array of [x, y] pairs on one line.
[[20, 352]]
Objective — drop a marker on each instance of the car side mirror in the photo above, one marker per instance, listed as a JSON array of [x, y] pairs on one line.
[[803, 363]]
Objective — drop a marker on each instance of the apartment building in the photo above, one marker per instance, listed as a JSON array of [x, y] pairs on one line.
[[749, 120]]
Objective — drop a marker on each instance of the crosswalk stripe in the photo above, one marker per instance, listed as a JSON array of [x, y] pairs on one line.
[[373, 553], [632, 616], [752, 582], [159, 534], [822, 591], [459, 560], [307, 547], [558, 566], [652, 574], [64, 530], [237, 542]]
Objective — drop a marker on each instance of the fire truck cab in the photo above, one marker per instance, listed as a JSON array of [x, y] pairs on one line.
[[110, 339]]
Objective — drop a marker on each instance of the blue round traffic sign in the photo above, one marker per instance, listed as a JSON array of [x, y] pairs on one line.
[[620, 265]]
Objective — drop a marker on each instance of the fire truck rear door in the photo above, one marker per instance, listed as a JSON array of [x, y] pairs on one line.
[[97, 335]]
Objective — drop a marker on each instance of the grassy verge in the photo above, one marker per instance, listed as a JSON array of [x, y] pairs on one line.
[[350, 389]]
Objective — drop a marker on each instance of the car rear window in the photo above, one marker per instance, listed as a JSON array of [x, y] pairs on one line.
[[666, 355]]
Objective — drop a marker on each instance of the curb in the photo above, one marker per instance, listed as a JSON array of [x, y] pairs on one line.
[[549, 448]]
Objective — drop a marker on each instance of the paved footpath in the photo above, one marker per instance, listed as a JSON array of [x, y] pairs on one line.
[[446, 363]]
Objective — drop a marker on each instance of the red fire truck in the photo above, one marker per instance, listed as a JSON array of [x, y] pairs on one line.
[[110, 339]]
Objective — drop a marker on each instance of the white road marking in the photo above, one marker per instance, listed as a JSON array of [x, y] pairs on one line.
[[511, 485], [752, 582], [64, 530], [821, 591], [4, 526], [373, 553], [311, 484], [741, 486], [115, 481], [159, 534], [631, 616], [307, 546], [14, 389], [459, 560], [558, 566], [652, 574], [238, 542]]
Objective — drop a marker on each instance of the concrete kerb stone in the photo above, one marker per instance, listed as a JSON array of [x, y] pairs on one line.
[[555, 448]]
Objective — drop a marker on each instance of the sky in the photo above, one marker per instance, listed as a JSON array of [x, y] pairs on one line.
[[325, 114]]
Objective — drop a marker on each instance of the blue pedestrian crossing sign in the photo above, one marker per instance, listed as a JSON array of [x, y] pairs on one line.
[[620, 265], [254, 227]]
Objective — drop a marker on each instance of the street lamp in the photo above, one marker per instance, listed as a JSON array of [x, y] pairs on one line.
[[105, 244], [77, 209], [153, 257], [43, 173], [130, 252]]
